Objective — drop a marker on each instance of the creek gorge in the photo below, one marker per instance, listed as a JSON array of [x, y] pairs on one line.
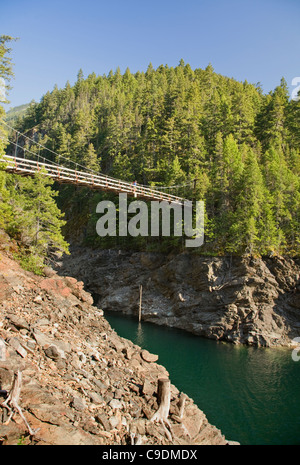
[[243, 300], [82, 383]]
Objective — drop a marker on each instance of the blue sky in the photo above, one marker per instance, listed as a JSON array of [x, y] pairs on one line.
[[257, 40]]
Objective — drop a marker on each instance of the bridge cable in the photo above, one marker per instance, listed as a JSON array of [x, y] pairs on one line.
[[159, 188]]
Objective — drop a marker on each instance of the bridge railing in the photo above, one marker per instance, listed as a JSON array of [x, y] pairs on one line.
[[28, 167]]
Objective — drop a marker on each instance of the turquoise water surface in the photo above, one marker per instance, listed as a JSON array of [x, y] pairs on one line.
[[251, 394]]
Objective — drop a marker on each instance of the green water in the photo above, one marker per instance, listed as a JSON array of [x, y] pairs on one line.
[[251, 394]]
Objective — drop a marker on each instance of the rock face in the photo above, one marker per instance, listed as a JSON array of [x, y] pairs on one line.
[[81, 383], [241, 300]]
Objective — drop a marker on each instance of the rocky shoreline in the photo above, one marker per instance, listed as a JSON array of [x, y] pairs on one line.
[[67, 378], [242, 300]]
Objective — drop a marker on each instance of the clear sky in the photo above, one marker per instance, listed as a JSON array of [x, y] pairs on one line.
[[257, 40]]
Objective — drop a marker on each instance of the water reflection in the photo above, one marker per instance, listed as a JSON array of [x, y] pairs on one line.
[[139, 337], [251, 394]]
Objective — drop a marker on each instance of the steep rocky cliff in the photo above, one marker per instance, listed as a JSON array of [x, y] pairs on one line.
[[66, 378], [241, 300]]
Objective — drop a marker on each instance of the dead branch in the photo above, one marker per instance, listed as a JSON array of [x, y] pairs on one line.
[[12, 402]]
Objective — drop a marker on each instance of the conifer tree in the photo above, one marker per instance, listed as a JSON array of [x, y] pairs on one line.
[[6, 213], [38, 217], [175, 174], [122, 167], [271, 125], [90, 159], [244, 233], [230, 170], [6, 67], [6, 73]]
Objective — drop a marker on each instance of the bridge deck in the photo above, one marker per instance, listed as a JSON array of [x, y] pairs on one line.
[[61, 174]]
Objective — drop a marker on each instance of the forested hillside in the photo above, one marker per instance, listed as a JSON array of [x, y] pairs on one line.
[[230, 144], [28, 209], [16, 113]]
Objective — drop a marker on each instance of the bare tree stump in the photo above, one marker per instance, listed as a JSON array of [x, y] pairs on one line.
[[164, 395], [163, 399]]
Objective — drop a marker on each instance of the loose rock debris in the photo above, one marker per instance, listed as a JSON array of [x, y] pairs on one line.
[[67, 378]]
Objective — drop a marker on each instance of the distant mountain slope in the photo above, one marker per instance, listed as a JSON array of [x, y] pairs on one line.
[[16, 112]]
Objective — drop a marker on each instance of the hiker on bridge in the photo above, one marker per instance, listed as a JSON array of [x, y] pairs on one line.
[[134, 190]]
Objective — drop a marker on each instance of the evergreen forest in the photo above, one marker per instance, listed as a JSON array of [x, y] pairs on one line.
[[203, 135]]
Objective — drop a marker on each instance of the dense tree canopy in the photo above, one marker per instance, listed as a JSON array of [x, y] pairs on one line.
[[235, 147]]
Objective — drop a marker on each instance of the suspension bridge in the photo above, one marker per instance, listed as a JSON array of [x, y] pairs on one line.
[[25, 162]]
